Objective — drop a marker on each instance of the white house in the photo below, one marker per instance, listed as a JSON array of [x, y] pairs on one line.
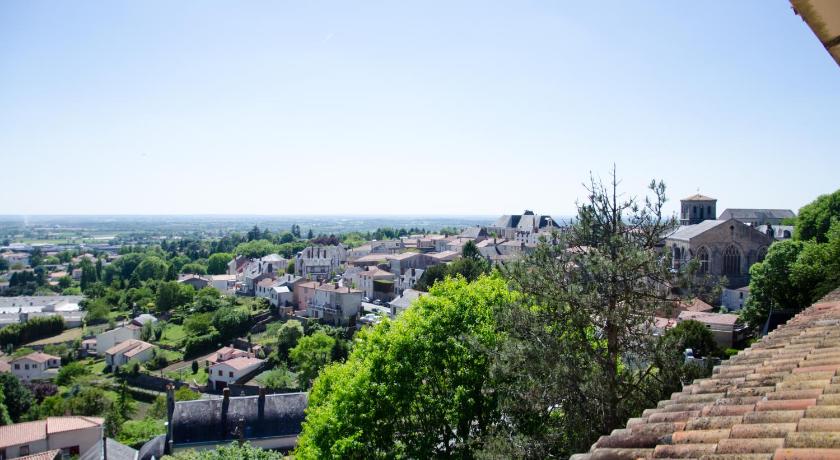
[[71, 435], [281, 296], [223, 283], [35, 366], [124, 352], [230, 371], [108, 339]]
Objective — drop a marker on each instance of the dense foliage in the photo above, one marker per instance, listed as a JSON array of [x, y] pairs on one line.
[[415, 387], [798, 272], [31, 330]]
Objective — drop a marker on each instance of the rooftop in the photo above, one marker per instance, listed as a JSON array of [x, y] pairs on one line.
[[202, 420], [37, 356], [778, 399], [27, 432], [699, 197]]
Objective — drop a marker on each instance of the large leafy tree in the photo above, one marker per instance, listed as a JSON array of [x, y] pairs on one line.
[[815, 218], [792, 276], [311, 354], [217, 263], [417, 387], [18, 398], [578, 360]]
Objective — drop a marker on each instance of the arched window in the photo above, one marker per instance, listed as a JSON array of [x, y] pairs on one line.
[[703, 258], [762, 253], [677, 258], [732, 261]]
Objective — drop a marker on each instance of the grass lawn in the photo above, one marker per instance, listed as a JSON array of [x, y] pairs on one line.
[[172, 335], [186, 375], [68, 335], [171, 356]]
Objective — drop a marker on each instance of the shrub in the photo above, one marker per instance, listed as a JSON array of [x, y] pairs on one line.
[[196, 345]]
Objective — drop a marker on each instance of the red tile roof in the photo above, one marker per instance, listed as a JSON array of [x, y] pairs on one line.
[[48, 455], [778, 399], [28, 432], [37, 356]]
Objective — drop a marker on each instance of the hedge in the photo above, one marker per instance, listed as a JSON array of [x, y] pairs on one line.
[[31, 330]]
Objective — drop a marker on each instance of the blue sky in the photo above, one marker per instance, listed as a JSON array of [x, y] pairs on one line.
[[407, 107]]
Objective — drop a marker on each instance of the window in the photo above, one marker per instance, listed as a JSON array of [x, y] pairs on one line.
[[220, 373], [732, 261], [703, 258], [23, 450], [677, 258], [230, 374], [762, 253], [17, 366]]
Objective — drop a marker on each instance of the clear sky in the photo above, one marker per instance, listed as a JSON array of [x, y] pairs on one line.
[[424, 107]]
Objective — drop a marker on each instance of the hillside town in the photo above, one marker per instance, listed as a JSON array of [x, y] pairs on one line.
[[150, 350]]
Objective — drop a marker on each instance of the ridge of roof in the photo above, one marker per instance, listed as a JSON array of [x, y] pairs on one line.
[[699, 197], [779, 398]]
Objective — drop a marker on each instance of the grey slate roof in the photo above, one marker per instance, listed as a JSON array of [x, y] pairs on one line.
[[687, 232], [204, 420], [473, 232], [153, 449], [759, 214], [116, 451]]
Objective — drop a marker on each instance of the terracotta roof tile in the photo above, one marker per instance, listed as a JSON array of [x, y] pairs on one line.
[[779, 399]]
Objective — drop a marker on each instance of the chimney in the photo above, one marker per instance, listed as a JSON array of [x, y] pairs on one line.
[[225, 405], [261, 404], [170, 411]]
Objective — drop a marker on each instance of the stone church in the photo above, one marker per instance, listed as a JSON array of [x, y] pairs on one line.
[[722, 247]]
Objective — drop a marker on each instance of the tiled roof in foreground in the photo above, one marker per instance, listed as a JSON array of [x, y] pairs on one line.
[[778, 399]]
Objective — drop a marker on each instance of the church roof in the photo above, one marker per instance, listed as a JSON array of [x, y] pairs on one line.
[[699, 197], [760, 214], [687, 232]]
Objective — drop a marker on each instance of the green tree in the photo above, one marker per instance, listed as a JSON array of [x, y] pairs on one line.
[[89, 401], [232, 451], [278, 379], [151, 268], [171, 294], [256, 248], [217, 263], [5, 419], [470, 251], [113, 422], [194, 268], [417, 387], [576, 361], [815, 218], [135, 433], [231, 321], [692, 334], [287, 337], [185, 394], [310, 355], [70, 372], [18, 399], [792, 276]]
